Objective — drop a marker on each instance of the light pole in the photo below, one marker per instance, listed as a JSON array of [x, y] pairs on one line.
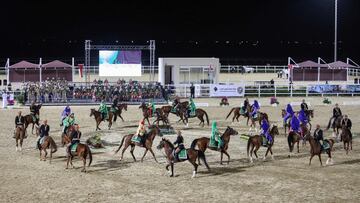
[[335, 37]]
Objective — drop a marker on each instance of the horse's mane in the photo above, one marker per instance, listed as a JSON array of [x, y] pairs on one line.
[[169, 143]]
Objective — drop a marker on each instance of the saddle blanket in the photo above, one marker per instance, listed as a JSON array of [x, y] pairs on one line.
[[182, 154], [73, 147], [136, 139]]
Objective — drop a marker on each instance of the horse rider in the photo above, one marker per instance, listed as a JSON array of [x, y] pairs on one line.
[[265, 131], [215, 136], [246, 104], [255, 108], [141, 131], [191, 107], [336, 113], [33, 110], [289, 112], [151, 107], [103, 110], [114, 106], [19, 122], [175, 103], [304, 120], [346, 122], [295, 125], [318, 135], [75, 139], [68, 121], [304, 106], [66, 112], [43, 132], [180, 144]]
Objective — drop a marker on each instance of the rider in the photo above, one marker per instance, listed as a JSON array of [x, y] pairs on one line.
[[43, 132], [336, 113], [266, 132], [304, 106], [191, 107], [255, 109], [141, 131], [246, 104], [151, 107], [75, 138], [33, 112], [103, 110], [180, 144], [295, 124], [289, 112], [175, 103], [215, 136], [68, 121], [346, 122], [318, 135], [19, 122], [303, 117], [114, 106], [66, 112]]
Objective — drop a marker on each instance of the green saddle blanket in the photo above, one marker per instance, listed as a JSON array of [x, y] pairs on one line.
[[242, 112], [136, 139], [182, 154], [73, 147], [213, 144], [326, 145]]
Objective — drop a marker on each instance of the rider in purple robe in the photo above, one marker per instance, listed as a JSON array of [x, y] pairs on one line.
[[303, 118], [289, 112], [266, 131], [255, 108], [295, 124], [66, 112]]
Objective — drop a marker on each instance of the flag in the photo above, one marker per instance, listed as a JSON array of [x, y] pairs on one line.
[[81, 66]]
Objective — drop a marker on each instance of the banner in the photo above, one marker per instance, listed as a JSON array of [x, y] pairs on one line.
[[227, 90], [334, 88]]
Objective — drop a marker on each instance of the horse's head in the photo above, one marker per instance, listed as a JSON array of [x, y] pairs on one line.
[[164, 143], [143, 106], [92, 112], [311, 113], [283, 113], [125, 106], [230, 131], [274, 130], [156, 130]]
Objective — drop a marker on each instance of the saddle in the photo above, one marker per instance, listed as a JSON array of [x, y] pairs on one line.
[[136, 139], [182, 155], [325, 146], [214, 144], [74, 147]]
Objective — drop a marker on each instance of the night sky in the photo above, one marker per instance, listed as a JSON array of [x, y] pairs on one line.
[[251, 31]]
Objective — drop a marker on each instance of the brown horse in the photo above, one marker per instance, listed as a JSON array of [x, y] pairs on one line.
[[29, 118], [98, 119], [346, 137], [309, 113], [118, 111], [82, 150], [48, 143], [158, 113], [294, 138], [316, 149], [203, 143], [199, 113], [168, 109], [259, 118], [149, 138], [192, 155], [238, 113], [19, 135], [336, 125], [256, 142]]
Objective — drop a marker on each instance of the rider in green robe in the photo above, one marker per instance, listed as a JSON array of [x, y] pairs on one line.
[[151, 106], [103, 110], [192, 107], [215, 136], [68, 121]]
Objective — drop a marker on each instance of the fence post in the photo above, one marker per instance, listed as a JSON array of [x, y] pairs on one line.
[[259, 90], [307, 92], [275, 90], [291, 90]]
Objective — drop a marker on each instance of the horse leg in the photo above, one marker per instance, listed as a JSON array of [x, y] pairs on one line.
[[67, 163], [298, 146], [320, 159], [256, 149], [312, 155], [146, 150], [132, 152], [172, 169], [45, 154], [237, 117], [121, 117], [32, 129], [272, 156], [21, 143], [147, 118], [221, 157], [151, 151], [126, 145], [83, 157], [266, 153], [195, 169], [110, 124], [251, 152], [17, 140], [40, 155], [225, 152]]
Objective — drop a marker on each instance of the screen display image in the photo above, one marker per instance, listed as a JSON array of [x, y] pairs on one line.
[[119, 63]]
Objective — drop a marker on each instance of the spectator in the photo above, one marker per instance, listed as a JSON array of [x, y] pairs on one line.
[[192, 91]]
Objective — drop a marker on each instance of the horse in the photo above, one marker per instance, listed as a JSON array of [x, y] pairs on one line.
[[256, 141], [19, 135], [48, 143], [158, 112], [336, 125], [203, 143], [82, 150], [29, 118], [309, 113], [346, 138], [295, 137], [259, 118], [168, 109], [199, 113], [98, 119], [118, 111], [238, 113], [192, 155], [149, 138], [316, 149]]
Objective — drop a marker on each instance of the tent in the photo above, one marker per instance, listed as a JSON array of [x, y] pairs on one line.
[[56, 69], [340, 64], [24, 71]]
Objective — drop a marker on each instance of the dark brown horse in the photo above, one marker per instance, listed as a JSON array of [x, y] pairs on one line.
[[98, 119], [203, 143], [294, 138], [149, 138], [256, 142], [238, 113], [199, 113], [118, 111], [309, 113], [168, 109], [259, 118], [346, 137], [82, 151], [160, 116], [29, 118], [336, 125], [316, 149], [48, 143], [19, 135], [192, 155]]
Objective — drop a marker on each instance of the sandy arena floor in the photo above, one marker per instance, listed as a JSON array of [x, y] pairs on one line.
[[25, 179]]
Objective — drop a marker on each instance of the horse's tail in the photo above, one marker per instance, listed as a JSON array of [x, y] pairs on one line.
[[329, 123], [203, 158], [230, 113], [90, 154], [121, 143], [207, 117], [290, 140], [115, 116], [52, 145], [248, 146], [193, 144]]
